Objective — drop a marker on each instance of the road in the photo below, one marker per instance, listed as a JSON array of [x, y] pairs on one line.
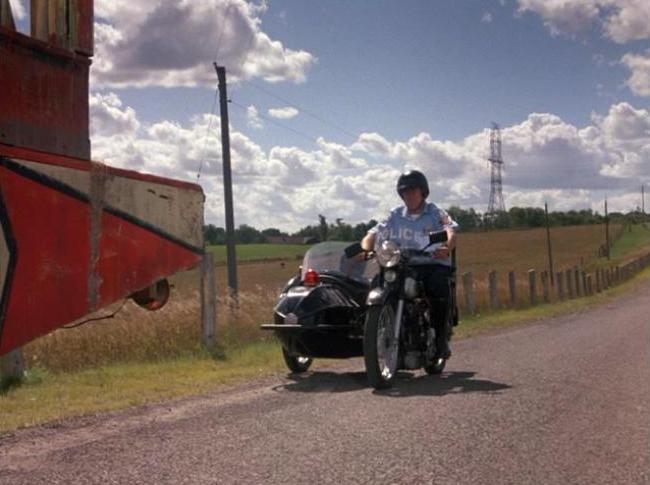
[[561, 401]]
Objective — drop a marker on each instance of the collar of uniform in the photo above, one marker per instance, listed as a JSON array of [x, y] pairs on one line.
[[428, 209]]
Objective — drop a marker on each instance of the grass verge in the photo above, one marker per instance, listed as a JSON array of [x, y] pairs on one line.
[[44, 397]]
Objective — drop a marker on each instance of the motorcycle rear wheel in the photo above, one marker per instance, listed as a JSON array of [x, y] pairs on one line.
[[380, 347], [296, 363], [436, 367]]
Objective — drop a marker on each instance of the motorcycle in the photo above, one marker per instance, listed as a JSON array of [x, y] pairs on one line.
[[399, 332], [345, 302]]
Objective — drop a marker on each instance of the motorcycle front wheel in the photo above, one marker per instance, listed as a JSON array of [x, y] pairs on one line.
[[296, 363], [380, 346]]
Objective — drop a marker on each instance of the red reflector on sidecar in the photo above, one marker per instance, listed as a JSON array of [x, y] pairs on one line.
[[312, 278]]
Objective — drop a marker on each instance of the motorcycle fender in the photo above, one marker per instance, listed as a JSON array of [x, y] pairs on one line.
[[377, 296]]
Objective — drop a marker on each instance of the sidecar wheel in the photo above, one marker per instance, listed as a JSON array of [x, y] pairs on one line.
[[380, 347], [436, 367], [296, 363]]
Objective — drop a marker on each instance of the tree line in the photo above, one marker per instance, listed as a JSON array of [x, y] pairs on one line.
[[468, 220]]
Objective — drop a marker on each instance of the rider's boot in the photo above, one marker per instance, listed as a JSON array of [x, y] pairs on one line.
[[439, 318]]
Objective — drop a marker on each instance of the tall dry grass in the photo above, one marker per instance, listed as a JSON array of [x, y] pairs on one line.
[[137, 335]]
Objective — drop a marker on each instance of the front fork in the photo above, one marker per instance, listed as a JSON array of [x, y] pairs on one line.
[[398, 318]]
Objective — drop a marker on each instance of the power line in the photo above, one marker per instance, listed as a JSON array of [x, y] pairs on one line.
[[303, 110], [207, 134], [277, 123]]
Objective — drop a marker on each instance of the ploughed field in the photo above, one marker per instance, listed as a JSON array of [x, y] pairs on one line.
[[135, 334]]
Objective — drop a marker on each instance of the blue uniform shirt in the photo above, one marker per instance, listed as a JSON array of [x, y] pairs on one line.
[[412, 230]]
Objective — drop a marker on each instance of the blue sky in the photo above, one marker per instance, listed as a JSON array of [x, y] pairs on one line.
[[366, 89]]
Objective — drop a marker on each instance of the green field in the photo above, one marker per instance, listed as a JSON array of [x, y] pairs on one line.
[[260, 252]]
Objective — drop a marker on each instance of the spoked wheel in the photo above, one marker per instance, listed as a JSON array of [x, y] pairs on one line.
[[296, 363], [380, 346]]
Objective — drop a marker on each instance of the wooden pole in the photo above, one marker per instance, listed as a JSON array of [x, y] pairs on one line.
[[560, 285], [12, 366], [532, 287], [468, 290], [227, 182], [545, 287], [512, 284], [606, 230], [569, 283], [548, 244], [494, 297], [208, 302]]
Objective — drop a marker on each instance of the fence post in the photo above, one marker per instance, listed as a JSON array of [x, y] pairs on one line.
[[208, 302], [583, 277], [512, 284], [590, 290], [560, 285], [494, 297], [545, 287], [12, 366], [576, 276], [569, 283], [468, 289], [532, 287], [598, 288]]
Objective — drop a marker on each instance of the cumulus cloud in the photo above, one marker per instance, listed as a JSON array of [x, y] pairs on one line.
[[173, 43], [639, 64], [620, 20], [487, 18], [108, 116], [253, 118], [546, 159], [285, 113]]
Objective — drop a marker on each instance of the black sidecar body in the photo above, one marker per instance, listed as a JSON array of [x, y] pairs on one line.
[[320, 312]]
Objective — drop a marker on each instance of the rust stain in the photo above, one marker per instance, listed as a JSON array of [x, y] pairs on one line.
[[98, 178]]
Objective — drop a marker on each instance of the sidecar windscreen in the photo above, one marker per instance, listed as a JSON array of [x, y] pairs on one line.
[[330, 256]]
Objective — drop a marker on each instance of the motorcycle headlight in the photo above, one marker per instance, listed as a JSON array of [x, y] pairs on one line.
[[388, 254]]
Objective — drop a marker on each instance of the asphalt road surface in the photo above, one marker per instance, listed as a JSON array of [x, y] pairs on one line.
[[563, 401]]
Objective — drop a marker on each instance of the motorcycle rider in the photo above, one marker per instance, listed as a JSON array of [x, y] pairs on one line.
[[409, 226]]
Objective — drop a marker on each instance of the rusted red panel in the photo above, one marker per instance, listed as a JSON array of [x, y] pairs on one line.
[[47, 286], [56, 265], [44, 96], [85, 17]]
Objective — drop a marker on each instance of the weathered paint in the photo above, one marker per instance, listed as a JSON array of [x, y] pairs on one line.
[[81, 243], [44, 96]]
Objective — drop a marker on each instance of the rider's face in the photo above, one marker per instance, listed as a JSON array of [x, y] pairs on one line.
[[413, 198]]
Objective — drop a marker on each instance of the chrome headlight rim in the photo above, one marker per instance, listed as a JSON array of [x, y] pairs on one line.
[[388, 254]]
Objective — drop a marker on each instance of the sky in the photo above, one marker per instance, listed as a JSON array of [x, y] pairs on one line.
[[331, 100]]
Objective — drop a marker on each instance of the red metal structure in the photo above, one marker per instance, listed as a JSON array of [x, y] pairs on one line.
[[76, 235]]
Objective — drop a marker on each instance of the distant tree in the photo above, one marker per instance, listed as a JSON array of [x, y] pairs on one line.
[[272, 232], [214, 235], [246, 234], [322, 227], [466, 219]]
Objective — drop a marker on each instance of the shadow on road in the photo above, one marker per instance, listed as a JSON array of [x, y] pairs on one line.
[[405, 384], [448, 383], [325, 382]]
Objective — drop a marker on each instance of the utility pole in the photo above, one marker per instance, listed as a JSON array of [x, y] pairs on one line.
[[548, 244], [643, 199], [606, 230], [227, 182]]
